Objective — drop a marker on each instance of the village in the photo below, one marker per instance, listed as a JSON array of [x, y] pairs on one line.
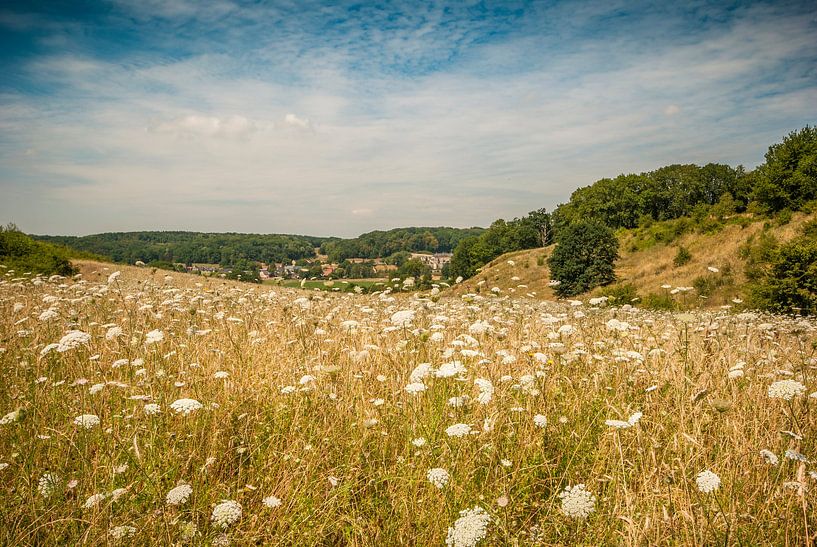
[[320, 267]]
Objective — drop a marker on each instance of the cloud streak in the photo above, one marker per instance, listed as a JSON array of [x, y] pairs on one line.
[[339, 119]]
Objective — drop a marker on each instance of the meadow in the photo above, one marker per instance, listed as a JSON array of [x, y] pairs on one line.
[[144, 408]]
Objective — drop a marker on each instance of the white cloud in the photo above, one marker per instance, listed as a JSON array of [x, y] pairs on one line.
[[460, 146], [294, 121], [208, 126]]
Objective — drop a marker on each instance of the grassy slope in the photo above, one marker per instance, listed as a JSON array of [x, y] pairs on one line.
[[647, 270]]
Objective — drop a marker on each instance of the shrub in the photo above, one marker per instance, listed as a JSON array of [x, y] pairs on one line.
[[787, 281], [583, 258], [24, 254], [622, 293], [683, 256], [659, 301]]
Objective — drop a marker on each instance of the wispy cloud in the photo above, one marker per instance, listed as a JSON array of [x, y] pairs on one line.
[[335, 119]]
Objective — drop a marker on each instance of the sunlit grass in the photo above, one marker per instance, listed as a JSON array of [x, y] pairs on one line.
[[303, 400]]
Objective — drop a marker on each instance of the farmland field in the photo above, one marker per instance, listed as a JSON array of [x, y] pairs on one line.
[[144, 408]]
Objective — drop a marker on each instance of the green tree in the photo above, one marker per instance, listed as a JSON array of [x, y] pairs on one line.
[[785, 276], [584, 257], [788, 179]]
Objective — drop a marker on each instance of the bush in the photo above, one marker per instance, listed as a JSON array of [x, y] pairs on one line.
[[620, 294], [787, 281], [683, 256], [583, 258], [659, 301], [707, 284], [24, 254]]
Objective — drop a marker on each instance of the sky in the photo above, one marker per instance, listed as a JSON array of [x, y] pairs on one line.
[[336, 118]]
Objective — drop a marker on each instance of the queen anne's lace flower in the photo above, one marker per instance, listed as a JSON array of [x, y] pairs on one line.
[[786, 390], [707, 481], [93, 501], [151, 409], [540, 421], [118, 533], [458, 430], [272, 502], [769, 457], [154, 337], [438, 476], [486, 390], [415, 387], [469, 528], [577, 501], [402, 318], [48, 484], [185, 406], [226, 513], [87, 421], [179, 495], [73, 339], [619, 424], [11, 417]]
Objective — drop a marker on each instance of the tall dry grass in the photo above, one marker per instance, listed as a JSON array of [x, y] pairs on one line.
[[314, 411]]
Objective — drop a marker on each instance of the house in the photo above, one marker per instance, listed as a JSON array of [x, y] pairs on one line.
[[434, 261]]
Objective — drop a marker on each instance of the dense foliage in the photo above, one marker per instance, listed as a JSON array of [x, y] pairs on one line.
[[193, 247], [23, 254], [385, 243], [666, 193], [583, 258], [502, 237], [784, 277], [788, 178]]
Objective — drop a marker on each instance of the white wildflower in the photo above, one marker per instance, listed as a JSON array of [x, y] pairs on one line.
[[179, 495], [11, 417], [469, 529], [185, 406], [577, 501], [226, 513], [707, 481], [86, 421], [769, 457], [786, 390], [402, 318], [486, 390], [118, 533], [152, 409], [458, 430], [93, 501], [438, 476], [48, 484], [73, 339], [415, 388], [154, 337], [272, 502]]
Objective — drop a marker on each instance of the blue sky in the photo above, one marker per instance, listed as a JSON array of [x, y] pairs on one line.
[[334, 118]]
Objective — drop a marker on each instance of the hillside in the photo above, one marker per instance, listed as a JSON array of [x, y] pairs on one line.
[[525, 273], [228, 248]]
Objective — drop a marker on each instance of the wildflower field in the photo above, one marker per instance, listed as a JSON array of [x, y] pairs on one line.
[[139, 408]]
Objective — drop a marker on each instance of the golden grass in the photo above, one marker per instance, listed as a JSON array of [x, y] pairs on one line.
[[337, 450], [647, 270]]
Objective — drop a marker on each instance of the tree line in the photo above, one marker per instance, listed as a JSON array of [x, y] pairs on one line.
[[384, 243], [785, 182]]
